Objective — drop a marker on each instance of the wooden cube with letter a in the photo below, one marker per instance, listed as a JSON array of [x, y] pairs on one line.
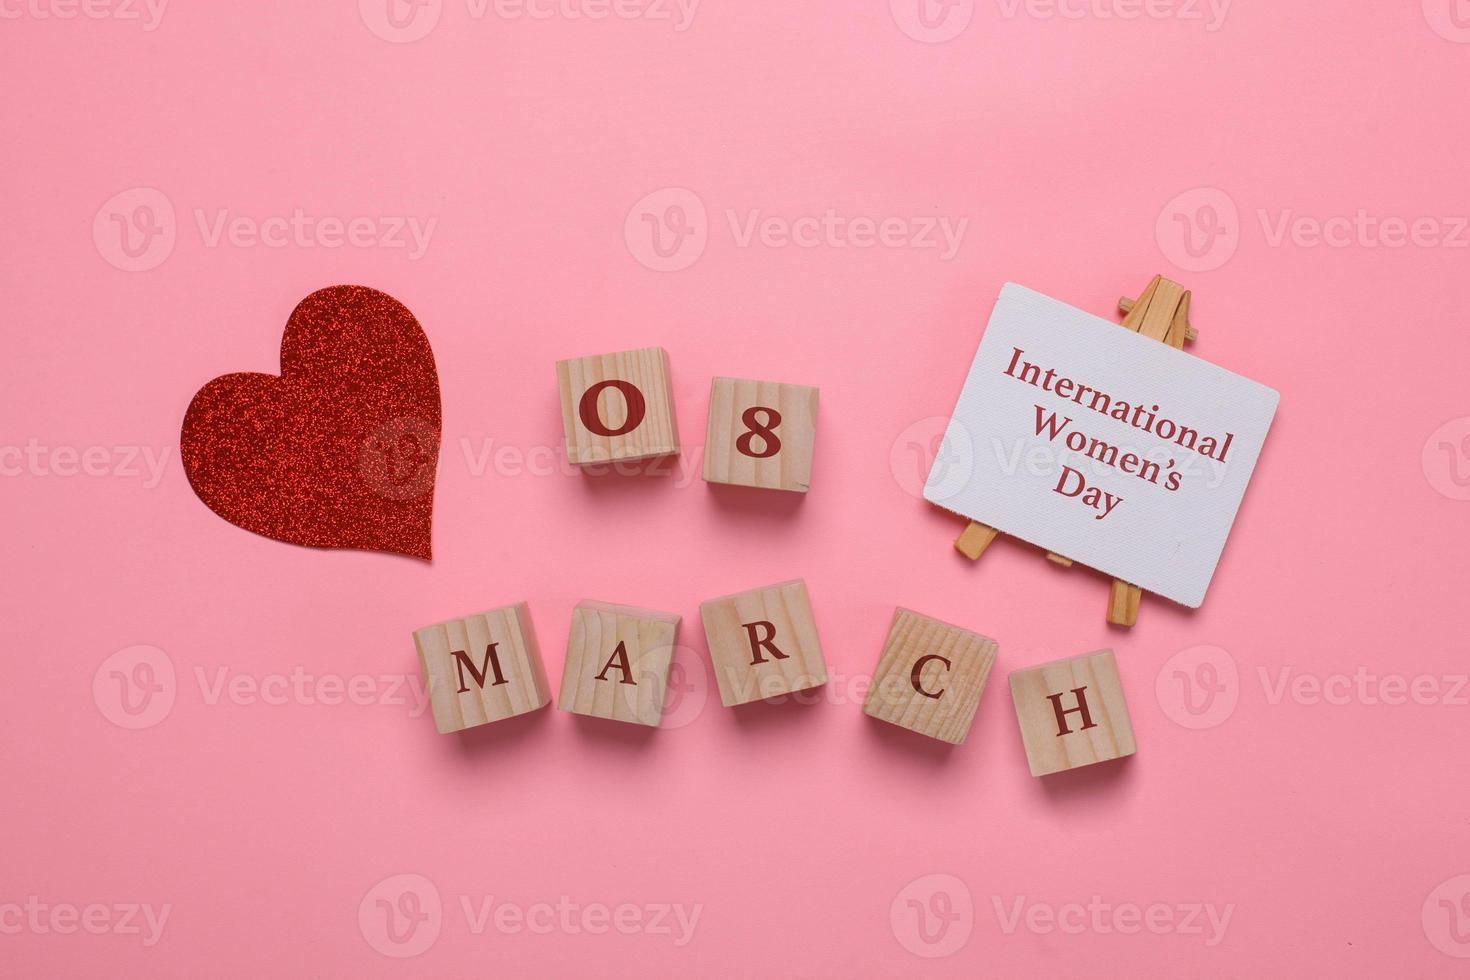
[[618, 660], [761, 434], [618, 406], [1072, 713], [482, 668], [930, 677], [763, 643]]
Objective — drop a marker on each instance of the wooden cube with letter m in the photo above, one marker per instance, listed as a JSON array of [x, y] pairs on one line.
[[482, 668]]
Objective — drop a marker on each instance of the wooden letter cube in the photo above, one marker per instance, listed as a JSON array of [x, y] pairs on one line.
[[482, 668], [618, 661], [761, 434], [763, 643], [930, 677], [1072, 713], [617, 406]]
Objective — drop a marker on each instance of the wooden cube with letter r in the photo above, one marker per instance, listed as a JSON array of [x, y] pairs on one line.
[[763, 643], [761, 434], [930, 677], [482, 668], [1072, 713], [618, 660]]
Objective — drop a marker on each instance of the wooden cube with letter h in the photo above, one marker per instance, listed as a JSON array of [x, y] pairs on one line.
[[1072, 713], [763, 643], [618, 406], [482, 668], [930, 677], [618, 660], [761, 434]]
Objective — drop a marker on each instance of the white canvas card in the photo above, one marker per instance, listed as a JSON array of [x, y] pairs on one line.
[[1102, 445]]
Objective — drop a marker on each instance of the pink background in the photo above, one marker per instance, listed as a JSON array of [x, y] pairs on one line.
[[1336, 833]]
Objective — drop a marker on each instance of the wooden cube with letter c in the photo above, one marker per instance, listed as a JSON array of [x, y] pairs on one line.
[[930, 677], [482, 668], [763, 643], [761, 434], [618, 660], [1072, 713], [618, 406]]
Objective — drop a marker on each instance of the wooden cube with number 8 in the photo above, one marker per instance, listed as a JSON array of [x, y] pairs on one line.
[[761, 434]]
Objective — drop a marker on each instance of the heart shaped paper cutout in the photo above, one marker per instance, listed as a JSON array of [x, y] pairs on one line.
[[340, 450]]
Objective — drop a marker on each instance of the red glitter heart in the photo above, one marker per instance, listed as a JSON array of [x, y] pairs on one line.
[[341, 450]]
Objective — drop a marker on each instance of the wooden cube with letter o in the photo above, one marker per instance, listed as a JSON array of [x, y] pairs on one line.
[[617, 406]]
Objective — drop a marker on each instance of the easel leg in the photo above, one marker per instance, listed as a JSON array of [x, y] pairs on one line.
[[974, 539], [1123, 603]]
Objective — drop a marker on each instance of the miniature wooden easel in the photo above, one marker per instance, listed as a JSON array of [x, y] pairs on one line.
[[1162, 313]]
